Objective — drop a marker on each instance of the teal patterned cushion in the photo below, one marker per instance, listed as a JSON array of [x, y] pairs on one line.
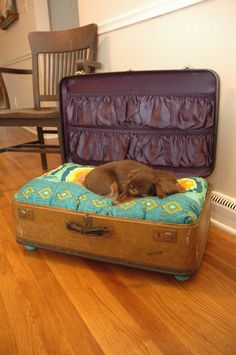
[[60, 188]]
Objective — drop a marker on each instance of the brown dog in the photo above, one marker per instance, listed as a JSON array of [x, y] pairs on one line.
[[129, 178]]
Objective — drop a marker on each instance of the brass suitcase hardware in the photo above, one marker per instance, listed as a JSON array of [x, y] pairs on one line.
[[25, 213], [87, 229], [165, 237]]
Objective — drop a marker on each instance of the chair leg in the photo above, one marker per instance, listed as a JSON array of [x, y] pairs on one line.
[[42, 155]]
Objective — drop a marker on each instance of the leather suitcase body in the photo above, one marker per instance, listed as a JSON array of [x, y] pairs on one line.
[[166, 119]]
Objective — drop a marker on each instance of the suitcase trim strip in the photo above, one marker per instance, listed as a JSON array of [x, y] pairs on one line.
[[119, 261]]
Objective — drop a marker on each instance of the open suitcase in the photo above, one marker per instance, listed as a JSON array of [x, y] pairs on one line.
[[166, 119]]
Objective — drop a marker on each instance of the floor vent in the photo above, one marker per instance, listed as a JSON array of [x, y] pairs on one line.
[[223, 212]]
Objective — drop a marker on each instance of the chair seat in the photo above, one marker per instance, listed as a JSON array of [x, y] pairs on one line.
[[31, 113]]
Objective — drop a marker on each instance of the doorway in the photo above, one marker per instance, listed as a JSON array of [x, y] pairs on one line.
[[63, 14]]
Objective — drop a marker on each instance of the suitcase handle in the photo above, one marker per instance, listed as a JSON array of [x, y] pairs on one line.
[[87, 230]]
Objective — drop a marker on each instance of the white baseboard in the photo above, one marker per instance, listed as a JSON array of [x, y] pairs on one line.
[[32, 130], [47, 136], [223, 212], [224, 227]]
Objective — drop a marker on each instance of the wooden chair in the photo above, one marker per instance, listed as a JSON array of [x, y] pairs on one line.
[[55, 54]]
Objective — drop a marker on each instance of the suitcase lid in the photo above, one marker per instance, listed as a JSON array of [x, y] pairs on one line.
[[166, 119]]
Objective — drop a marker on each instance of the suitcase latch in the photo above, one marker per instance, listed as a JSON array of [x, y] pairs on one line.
[[25, 213], [87, 229], [165, 236]]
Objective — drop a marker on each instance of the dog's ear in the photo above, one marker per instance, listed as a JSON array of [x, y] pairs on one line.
[[165, 187]]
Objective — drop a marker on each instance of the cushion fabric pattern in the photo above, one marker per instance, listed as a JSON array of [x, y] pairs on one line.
[[63, 188]]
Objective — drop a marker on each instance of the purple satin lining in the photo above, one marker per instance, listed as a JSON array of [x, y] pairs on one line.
[[174, 132], [151, 111]]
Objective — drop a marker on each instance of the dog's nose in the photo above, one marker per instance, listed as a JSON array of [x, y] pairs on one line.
[[133, 192]]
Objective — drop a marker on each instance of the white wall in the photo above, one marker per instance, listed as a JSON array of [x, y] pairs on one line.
[[15, 50], [14, 40], [202, 35]]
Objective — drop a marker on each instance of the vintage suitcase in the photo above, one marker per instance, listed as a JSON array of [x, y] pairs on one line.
[[166, 119]]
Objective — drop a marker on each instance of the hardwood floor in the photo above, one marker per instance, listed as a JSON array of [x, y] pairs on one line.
[[51, 303]]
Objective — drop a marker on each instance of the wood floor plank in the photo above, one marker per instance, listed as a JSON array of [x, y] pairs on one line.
[[64, 311], [30, 316], [104, 315], [7, 337], [40, 305], [52, 303], [194, 309]]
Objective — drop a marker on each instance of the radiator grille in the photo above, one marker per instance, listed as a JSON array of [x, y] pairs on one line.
[[223, 201]]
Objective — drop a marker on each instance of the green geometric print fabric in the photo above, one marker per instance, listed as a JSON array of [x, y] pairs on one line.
[[61, 188]]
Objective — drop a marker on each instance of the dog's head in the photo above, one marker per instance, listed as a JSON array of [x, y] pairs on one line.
[[141, 184], [146, 183]]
